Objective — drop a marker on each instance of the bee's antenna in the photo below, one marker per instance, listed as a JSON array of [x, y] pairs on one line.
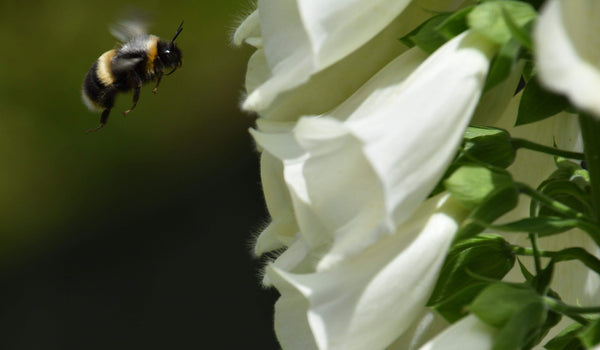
[[177, 32]]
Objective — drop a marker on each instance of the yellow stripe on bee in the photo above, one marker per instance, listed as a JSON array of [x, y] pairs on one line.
[[103, 71], [152, 47]]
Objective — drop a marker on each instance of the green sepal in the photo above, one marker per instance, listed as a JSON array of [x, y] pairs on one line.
[[496, 304], [522, 328], [538, 103], [517, 310], [497, 204], [472, 184], [481, 145], [489, 193], [489, 145], [519, 33], [488, 19], [487, 256]]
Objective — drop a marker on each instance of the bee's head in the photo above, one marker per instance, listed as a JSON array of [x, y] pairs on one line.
[[169, 53]]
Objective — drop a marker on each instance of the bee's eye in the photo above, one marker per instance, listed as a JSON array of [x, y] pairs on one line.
[[167, 51]]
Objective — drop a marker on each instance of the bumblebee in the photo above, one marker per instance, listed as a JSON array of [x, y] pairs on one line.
[[139, 59]]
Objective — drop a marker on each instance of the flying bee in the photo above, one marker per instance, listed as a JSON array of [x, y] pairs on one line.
[[139, 59]]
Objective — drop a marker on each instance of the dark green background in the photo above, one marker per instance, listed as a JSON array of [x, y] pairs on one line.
[[137, 236]]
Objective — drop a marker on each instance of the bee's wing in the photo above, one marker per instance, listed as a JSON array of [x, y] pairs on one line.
[[124, 64], [129, 28]]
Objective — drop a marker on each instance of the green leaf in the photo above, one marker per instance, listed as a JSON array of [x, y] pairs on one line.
[[542, 225], [486, 256], [528, 70], [528, 275], [521, 328], [577, 253], [455, 24], [503, 64], [489, 145], [538, 104], [426, 36], [472, 184], [590, 336], [566, 339], [541, 282], [488, 19], [537, 4], [498, 303]]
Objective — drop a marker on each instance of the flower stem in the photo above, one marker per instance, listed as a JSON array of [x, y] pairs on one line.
[[560, 306], [536, 253], [552, 204], [571, 311], [521, 143], [590, 131], [566, 254], [585, 223]]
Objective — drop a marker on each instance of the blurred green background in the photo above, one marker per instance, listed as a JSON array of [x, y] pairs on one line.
[[137, 236]]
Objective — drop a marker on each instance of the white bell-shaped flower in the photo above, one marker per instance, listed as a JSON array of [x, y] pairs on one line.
[[357, 172], [568, 51], [303, 38], [371, 299]]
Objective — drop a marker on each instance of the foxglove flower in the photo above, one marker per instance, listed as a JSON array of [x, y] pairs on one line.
[[349, 156], [356, 178], [322, 88], [304, 37], [357, 172], [342, 307], [568, 51]]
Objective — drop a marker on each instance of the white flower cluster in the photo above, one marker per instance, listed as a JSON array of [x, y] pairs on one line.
[[355, 130]]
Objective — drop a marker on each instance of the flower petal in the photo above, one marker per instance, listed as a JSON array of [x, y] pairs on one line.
[[289, 30], [337, 27], [248, 31], [292, 59], [414, 116], [568, 51], [317, 152], [283, 228], [390, 281], [393, 111], [426, 327], [468, 333]]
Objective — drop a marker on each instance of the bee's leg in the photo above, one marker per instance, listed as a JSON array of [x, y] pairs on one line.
[[136, 97], [103, 119], [159, 76]]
